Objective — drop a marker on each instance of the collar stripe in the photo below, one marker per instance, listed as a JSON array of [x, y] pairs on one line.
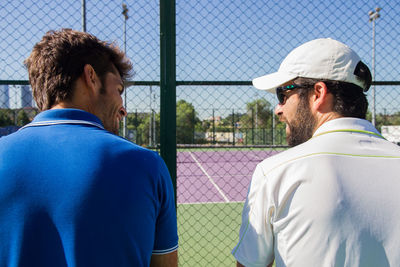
[[351, 131], [56, 122]]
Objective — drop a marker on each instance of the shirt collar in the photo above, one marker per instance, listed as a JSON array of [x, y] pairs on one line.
[[65, 116], [347, 125]]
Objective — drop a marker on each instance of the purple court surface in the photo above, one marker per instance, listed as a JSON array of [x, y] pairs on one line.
[[216, 176]]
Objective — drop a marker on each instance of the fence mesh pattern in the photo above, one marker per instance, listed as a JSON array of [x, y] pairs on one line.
[[223, 131]]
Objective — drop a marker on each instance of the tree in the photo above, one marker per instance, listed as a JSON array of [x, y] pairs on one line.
[[393, 119], [140, 122], [186, 119], [258, 114], [146, 125], [203, 126], [257, 121], [280, 133], [5, 118], [384, 119], [22, 118]]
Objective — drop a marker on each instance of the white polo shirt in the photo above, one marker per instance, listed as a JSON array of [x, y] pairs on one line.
[[331, 201]]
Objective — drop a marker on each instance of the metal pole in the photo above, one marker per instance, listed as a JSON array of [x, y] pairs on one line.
[[168, 86], [194, 125], [256, 137], [125, 13], [373, 72], [233, 126], [136, 131], [252, 126], [84, 15], [373, 15], [150, 120], [273, 127], [213, 127], [154, 123], [125, 104]]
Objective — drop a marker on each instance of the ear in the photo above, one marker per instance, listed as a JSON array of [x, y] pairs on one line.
[[90, 77], [321, 100]]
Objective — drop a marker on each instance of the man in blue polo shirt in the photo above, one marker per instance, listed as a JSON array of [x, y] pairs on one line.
[[73, 193]]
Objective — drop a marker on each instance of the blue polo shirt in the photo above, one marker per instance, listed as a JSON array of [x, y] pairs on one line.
[[74, 194]]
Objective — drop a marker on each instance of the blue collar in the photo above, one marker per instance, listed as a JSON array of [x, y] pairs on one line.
[[65, 116]]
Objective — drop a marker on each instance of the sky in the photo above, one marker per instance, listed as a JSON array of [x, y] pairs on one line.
[[216, 40]]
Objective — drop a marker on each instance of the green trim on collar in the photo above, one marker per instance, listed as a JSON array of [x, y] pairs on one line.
[[351, 131]]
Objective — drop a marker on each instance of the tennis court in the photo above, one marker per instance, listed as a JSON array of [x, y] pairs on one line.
[[211, 188], [216, 176]]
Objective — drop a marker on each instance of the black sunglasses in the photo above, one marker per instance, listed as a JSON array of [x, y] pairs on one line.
[[280, 92]]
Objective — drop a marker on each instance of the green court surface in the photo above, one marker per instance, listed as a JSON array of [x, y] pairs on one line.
[[207, 233]]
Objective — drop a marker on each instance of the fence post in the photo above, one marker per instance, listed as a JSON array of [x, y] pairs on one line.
[[264, 137], [233, 126], [194, 126], [168, 87], [213, 127], [273, 126], [137, 139], [252, 126], [83, 15]]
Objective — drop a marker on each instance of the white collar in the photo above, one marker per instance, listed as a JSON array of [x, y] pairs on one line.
[[347, 125]]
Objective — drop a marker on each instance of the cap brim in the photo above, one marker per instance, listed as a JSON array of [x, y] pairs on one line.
[[271, 81]]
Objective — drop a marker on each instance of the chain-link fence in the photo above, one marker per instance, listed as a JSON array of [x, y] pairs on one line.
[[224, 126]]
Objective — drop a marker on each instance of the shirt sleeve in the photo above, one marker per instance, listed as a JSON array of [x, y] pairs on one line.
[[256, 239], [166, 233]]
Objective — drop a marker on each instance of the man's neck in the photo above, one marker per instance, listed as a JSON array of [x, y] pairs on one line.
[[325, 117], [62, 105]]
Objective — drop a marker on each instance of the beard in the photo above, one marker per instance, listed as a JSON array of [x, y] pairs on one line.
[[302, 127]]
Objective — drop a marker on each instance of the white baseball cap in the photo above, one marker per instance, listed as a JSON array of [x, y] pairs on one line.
[[323, 58]]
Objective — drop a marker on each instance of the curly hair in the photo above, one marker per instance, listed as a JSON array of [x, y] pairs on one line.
[[57, 61]]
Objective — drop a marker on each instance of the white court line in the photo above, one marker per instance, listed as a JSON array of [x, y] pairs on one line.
[[209, 178], [256, 157]]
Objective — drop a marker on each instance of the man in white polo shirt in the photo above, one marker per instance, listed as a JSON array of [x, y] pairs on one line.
[[333, 199]]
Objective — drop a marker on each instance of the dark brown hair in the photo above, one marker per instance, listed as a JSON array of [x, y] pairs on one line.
[[349, 99], [57, 61]]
